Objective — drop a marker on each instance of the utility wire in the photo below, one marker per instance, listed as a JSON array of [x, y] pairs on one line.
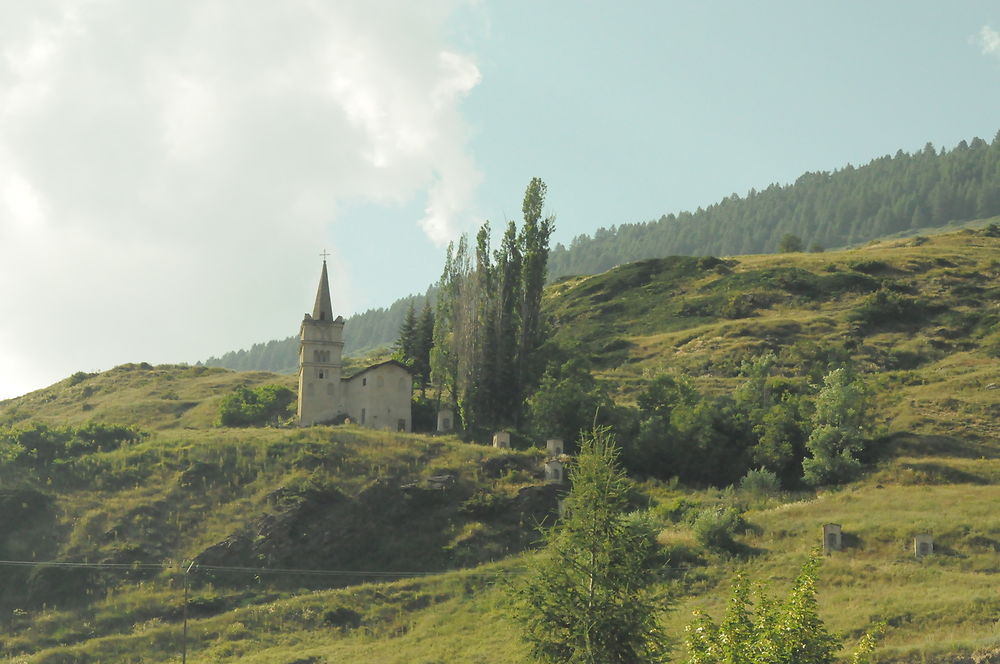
[[259, 570], [220, 568]]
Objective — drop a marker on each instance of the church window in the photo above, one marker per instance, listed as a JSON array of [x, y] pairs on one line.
[[321, 375], [362, 416], [400, 425], [364, 381]]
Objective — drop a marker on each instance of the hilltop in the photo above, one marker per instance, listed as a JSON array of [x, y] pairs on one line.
[[920, 316], [920, 313], [906, 194]]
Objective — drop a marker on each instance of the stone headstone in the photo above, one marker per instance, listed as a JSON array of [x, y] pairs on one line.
[[501, 439], [923, 545], [445, 420], [553, 470], [554, 446], [831, 537]]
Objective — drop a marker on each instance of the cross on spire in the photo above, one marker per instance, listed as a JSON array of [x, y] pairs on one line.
[[324, 255]]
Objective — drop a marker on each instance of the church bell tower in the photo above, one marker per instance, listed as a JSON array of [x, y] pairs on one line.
[[320, 346]]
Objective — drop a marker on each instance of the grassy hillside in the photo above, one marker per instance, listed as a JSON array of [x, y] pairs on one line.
[[922, 307], [920, 315]]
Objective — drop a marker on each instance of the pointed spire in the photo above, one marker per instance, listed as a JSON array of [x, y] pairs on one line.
[[323, 310]]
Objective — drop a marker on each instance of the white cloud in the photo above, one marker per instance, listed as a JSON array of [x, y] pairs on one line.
[[988, 40], [150, 151]]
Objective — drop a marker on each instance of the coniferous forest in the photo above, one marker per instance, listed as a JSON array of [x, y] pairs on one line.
[[890, 194]]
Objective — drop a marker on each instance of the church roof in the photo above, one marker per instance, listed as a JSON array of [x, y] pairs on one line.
[[380, 364], [323, 310]]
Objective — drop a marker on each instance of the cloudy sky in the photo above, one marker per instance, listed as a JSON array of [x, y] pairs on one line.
[[171, 170]]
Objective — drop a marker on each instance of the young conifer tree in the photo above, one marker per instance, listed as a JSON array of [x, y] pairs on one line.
[[586, 600]]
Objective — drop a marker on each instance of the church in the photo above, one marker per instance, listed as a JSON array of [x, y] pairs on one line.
[[377, 397]]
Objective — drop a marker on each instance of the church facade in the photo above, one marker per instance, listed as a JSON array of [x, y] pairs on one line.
[[377, 397]]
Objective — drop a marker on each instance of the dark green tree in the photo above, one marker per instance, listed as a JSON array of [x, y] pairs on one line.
[[425, 342], [587, 598], [406, 344], [567, 400], [790, 243], [413, 347]]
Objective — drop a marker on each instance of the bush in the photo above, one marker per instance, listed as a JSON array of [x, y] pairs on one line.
[[790, 243], [714, 528], [39, 445], [483, 505], [267, 404], [760, 482], [885, 307]]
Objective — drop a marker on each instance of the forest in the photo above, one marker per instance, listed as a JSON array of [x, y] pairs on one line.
[[890, 194]]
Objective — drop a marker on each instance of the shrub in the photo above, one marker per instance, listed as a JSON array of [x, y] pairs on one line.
[[760, 482], [790, 243], [769, 630], [483, 504], [870, 267], [884, 307], [714, 528], [267, 404]]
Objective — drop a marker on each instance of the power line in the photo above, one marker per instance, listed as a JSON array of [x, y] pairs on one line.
[[223, 568], [263, 570]]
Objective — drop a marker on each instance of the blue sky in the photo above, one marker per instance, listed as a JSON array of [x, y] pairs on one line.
[[170, 171]]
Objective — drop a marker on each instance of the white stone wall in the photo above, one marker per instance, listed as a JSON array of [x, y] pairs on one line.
[[379, 397]]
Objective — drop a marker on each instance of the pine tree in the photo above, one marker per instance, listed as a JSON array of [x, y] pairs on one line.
[[406, 344], [424, 344], [586, 600]]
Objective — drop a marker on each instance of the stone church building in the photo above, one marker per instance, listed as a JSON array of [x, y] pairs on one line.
[[377, 397]]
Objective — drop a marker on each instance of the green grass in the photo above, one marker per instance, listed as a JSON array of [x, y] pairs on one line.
[[334, 498]]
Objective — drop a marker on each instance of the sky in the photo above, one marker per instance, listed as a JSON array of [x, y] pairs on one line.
[[171, 170]]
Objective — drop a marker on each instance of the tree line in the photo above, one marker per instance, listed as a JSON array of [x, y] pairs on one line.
[[813, 430]]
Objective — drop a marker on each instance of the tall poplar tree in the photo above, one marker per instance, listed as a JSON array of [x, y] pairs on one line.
[[488, 327], [534, 241]]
